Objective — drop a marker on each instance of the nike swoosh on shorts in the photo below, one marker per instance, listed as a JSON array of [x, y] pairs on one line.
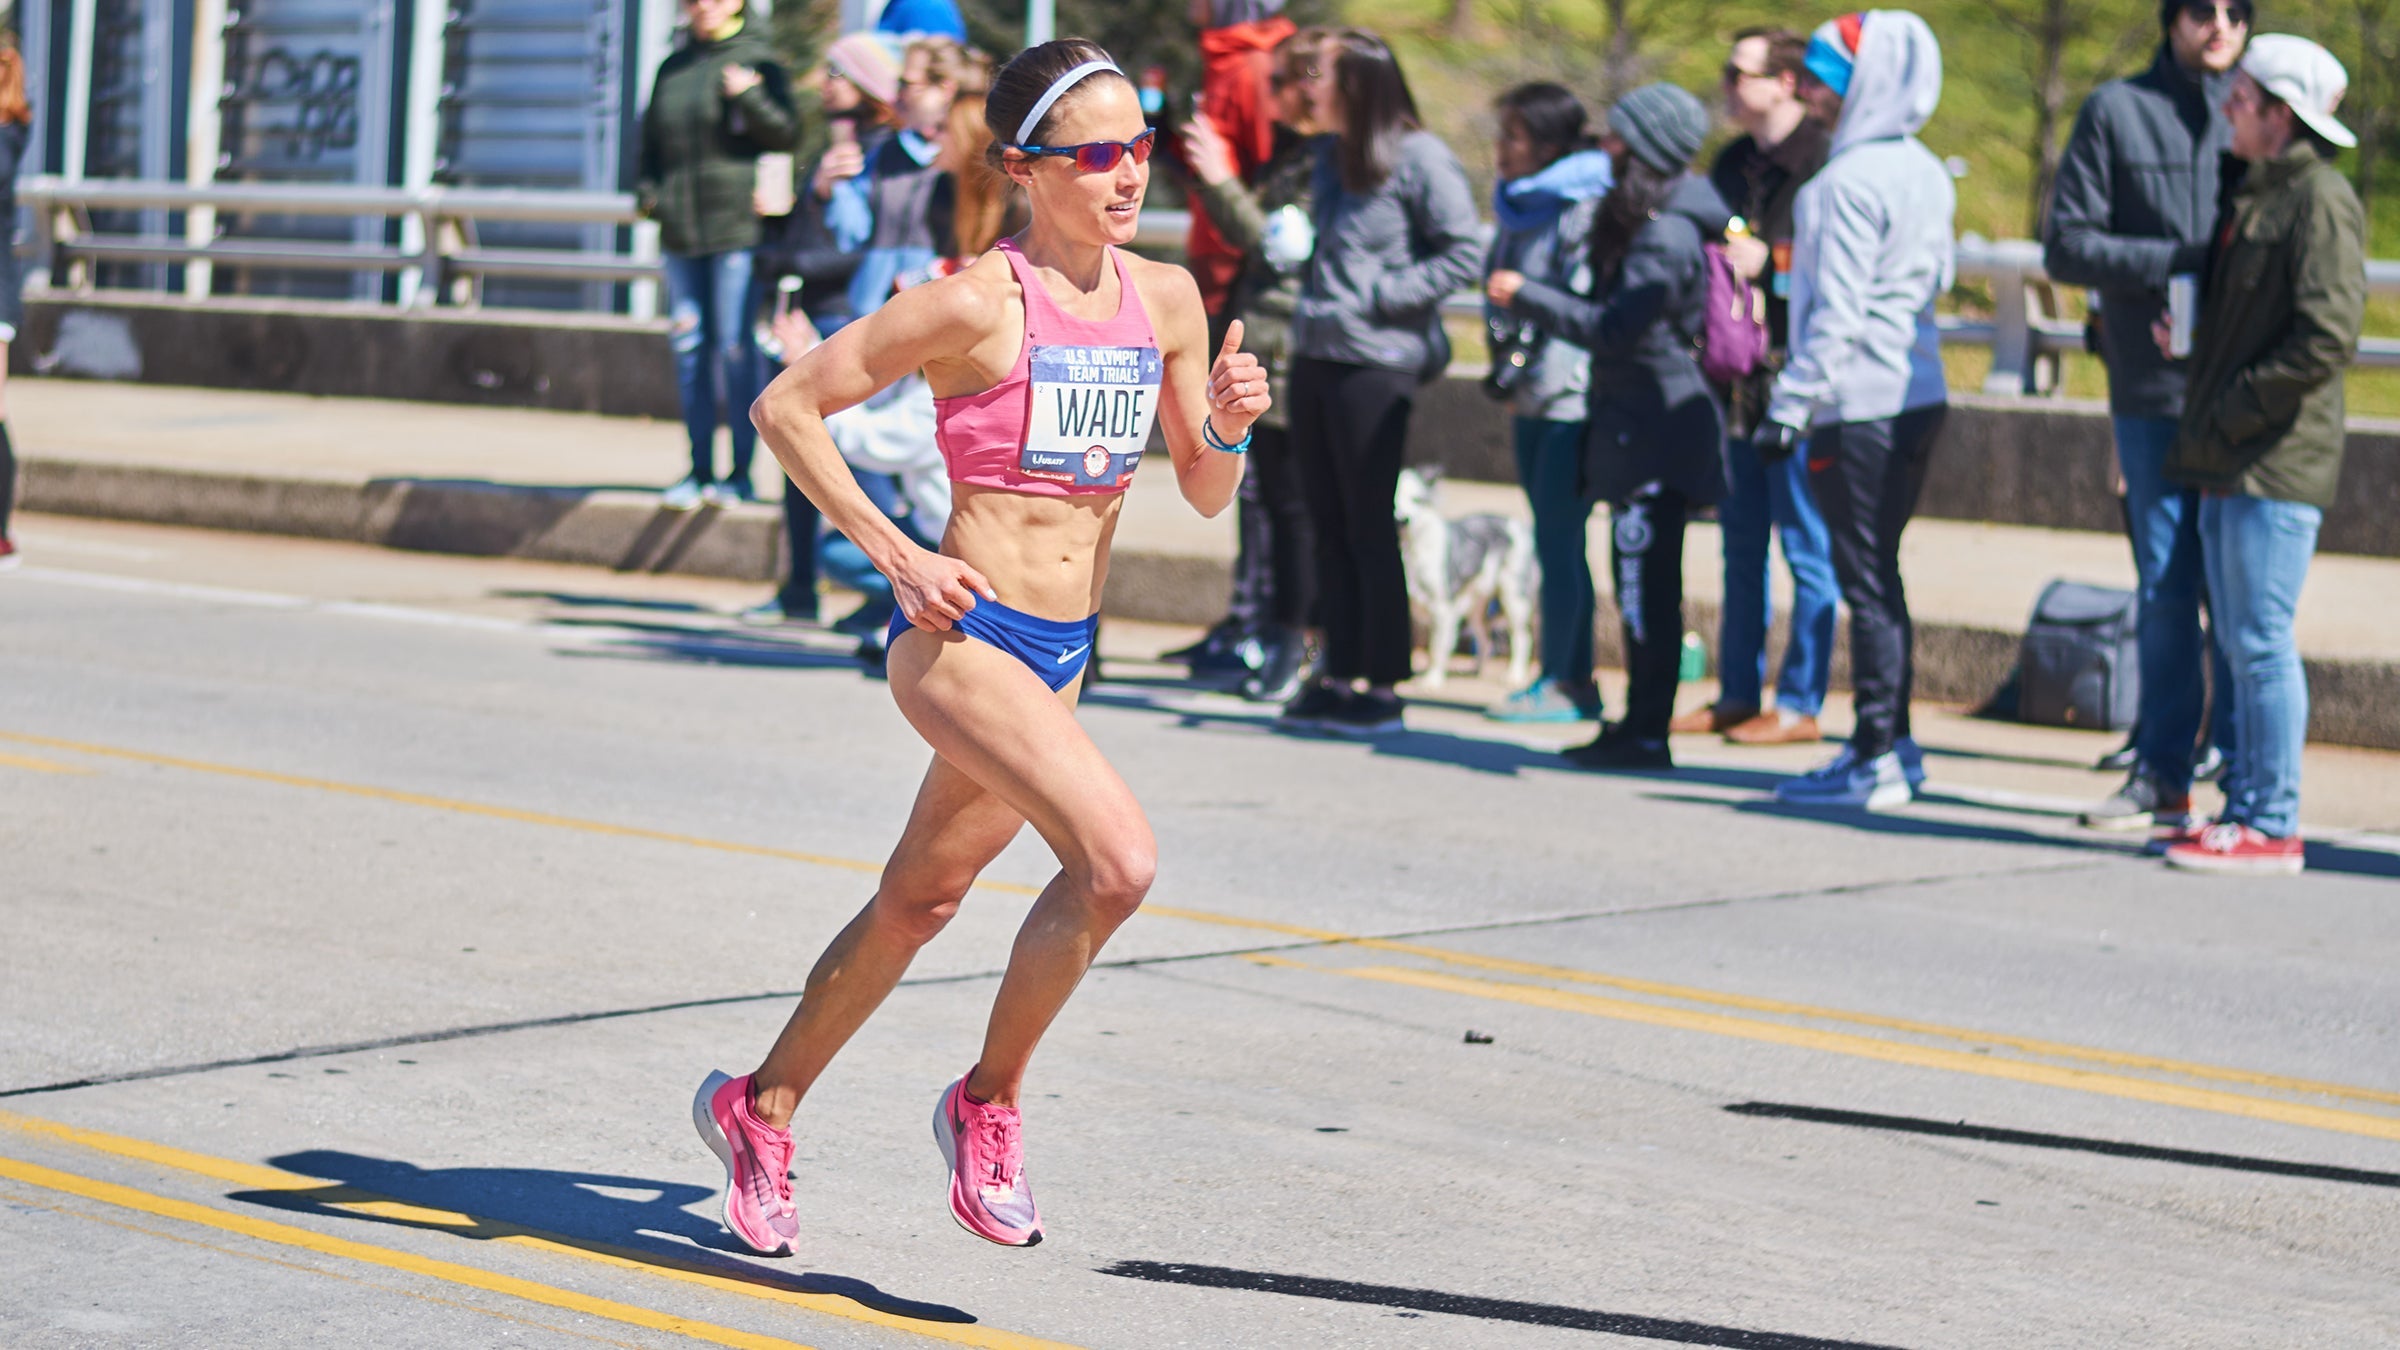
[[1066, 656]]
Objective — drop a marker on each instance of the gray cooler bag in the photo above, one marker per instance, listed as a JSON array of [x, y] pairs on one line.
[[2079, 666]]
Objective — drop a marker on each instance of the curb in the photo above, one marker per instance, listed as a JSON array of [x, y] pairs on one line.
[[2351, 701]]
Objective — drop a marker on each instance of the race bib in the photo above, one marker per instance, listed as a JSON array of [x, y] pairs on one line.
[[1091, 416]]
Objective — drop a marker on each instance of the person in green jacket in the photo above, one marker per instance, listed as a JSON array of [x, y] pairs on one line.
[[2261, 434], [720, 102]]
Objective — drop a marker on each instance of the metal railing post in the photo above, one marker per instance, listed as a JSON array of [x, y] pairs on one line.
[[2012, 334]]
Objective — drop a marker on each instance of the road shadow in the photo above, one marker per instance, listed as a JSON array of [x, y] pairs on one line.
[[1902, 824], [704, 644], [2347, 860], [583, 600], [2110, 1148], [1415, 1302], [624, 1218]]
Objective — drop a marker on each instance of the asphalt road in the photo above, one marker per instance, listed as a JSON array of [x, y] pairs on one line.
[[367, 920]]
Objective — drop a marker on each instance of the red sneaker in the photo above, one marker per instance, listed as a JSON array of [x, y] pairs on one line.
[[2239, 850], [9, 557]]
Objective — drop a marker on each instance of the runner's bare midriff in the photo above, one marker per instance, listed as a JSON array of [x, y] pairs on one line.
[[1045, 556]]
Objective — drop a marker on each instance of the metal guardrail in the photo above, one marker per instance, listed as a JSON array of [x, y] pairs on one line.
[[437, 254], [439, 257]]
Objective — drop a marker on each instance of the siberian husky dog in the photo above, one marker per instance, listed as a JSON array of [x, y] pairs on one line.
[[1457, 569]]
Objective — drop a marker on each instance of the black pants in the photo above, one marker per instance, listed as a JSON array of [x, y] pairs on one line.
[[8, 480], [1646, 548], [1866, 477], [1275, 571], [1348, 427], [798, 594]]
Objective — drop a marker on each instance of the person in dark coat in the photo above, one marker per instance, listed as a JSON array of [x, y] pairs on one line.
[[1655, 443], [720, 102], [2135, 196]]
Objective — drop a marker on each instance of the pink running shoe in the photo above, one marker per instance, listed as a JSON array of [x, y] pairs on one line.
[[758, 1165], [989, 1195]]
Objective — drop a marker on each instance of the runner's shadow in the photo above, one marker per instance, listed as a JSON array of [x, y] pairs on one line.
[[625, 1218]]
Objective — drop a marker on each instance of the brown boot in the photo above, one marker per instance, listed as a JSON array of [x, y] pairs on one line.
[[1780, 727], [1711, 720]]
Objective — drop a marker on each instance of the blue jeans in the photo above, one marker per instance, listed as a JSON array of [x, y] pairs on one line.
[[1774, 498], [2163, 519], [2258, 552], [708, 303], [1550, 465]]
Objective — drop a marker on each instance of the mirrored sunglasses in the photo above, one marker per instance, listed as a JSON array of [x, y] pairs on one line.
[[1098, 156], [2235, 15]]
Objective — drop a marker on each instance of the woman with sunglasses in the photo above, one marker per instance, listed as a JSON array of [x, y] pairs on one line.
[[1050, 358]]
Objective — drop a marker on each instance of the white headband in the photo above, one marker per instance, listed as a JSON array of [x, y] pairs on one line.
[[1058, 88]]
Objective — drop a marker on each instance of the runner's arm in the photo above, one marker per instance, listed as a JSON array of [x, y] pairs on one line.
[[938, 322], [1209, 478]]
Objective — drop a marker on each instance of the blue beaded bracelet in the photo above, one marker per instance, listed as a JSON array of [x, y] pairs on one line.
[[1208, 433]]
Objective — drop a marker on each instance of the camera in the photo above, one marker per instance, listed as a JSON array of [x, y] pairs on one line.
[[1514, 344]]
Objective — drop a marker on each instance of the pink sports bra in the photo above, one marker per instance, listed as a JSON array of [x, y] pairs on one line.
[[1074, 412]]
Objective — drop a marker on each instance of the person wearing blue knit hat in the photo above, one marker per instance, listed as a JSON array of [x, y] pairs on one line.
[[922, 18]]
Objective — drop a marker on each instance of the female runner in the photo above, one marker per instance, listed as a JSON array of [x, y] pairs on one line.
[[1049, 358]]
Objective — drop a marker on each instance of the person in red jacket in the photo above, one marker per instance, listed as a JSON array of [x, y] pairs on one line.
[[1237, 55]]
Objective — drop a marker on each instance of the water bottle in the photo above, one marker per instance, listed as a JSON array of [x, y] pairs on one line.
[[1695, 660]]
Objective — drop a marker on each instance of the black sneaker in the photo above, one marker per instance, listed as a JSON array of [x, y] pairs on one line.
[[1367, 715], [1616, 748], [2123, 759], [1310, 710], [1215, 644], [1277, 678]]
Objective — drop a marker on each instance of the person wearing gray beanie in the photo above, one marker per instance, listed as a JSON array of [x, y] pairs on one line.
[[1654, 433], [1661, 125]]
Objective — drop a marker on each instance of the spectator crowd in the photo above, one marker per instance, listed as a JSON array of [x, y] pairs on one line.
[[1752, 337]]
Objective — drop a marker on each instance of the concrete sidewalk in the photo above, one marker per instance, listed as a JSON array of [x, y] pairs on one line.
[[578, 488]]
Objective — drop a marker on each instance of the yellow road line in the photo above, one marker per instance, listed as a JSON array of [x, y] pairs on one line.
[[222, 1250], [40, 765], [449, 1272], [1449, 956], [2030, 1045], [1868, 1047], [264, 1178]]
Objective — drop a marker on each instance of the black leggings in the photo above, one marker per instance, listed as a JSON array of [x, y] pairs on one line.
[[1349, 425], [1275, 572], [8, 480], [1646, 546], [1866, 477]]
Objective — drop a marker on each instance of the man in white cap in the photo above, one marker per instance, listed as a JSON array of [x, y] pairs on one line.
[[2281, 305]]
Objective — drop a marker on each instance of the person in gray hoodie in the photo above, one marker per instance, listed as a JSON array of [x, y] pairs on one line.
[[1864, 387], [1397, 234], [2136, 195]]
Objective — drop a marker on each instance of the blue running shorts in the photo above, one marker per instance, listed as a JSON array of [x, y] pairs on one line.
[[1055, 650]]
